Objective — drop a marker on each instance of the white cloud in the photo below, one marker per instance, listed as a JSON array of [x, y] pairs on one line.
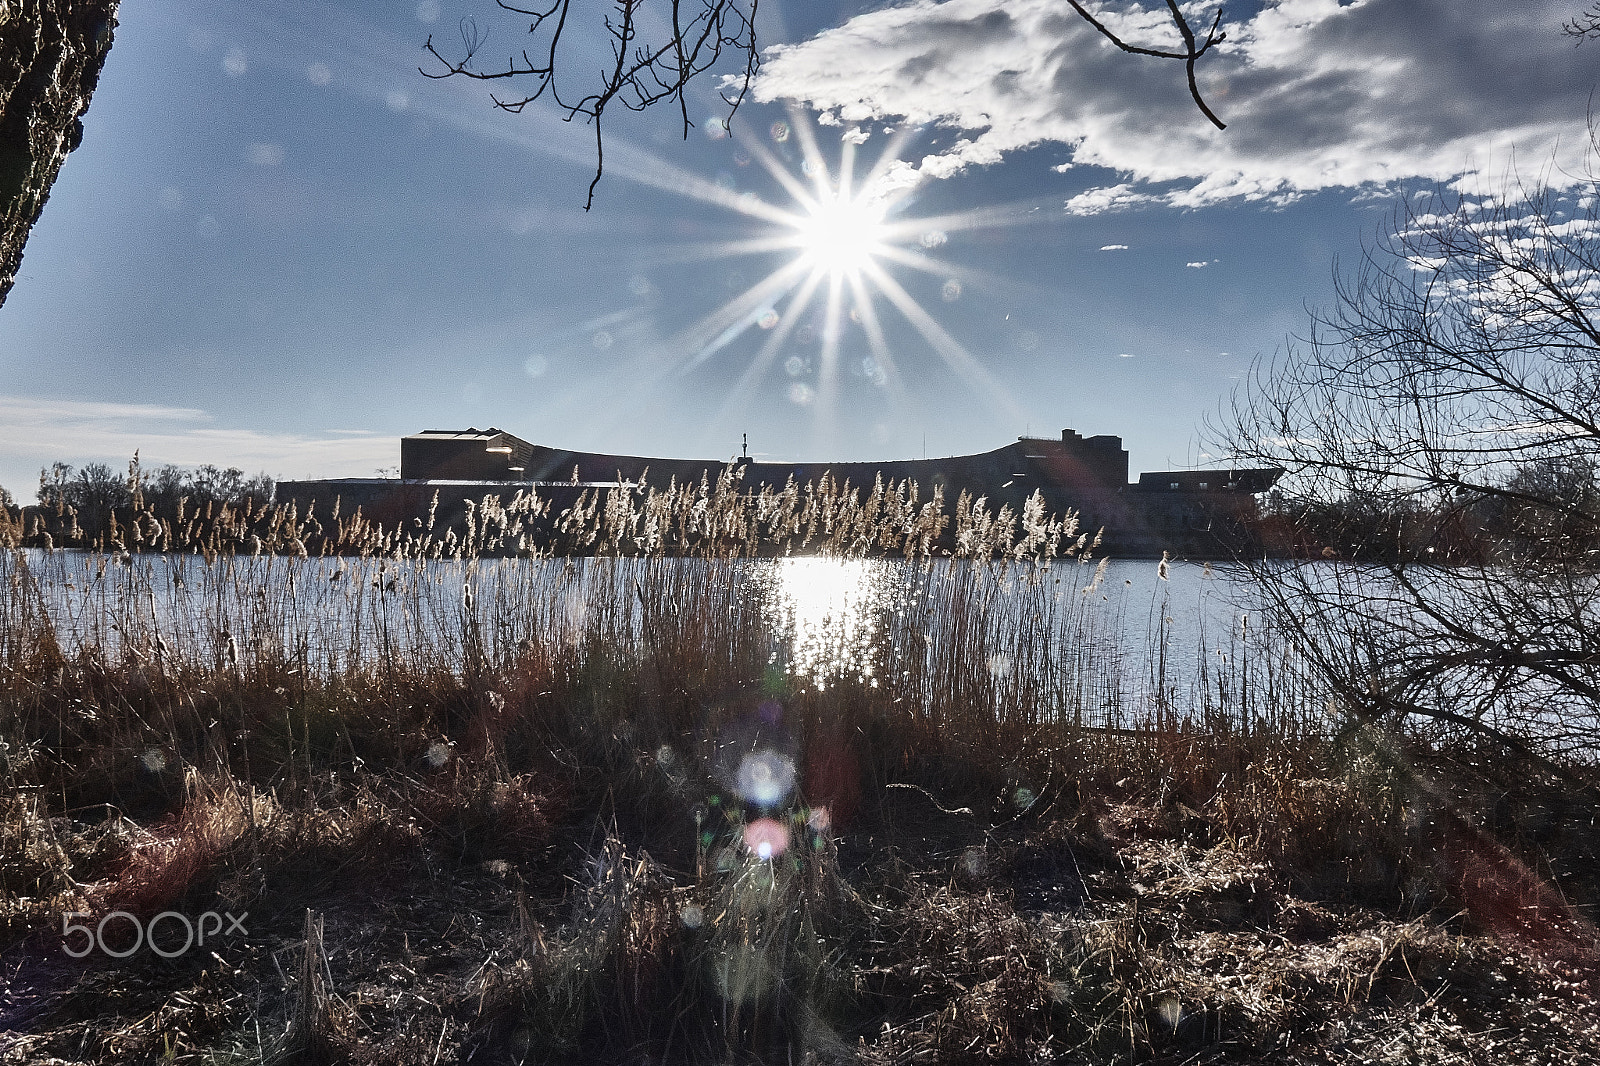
[[1113, 247], [42, 431], [266, 155], [235, 62], [1197, 266], [35, 411], [1109, 198], [1318, 94]]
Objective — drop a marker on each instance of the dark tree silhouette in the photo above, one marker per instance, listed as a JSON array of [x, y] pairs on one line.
[[655, 61], [1585, 24], [1456, 382], [92, 493], [89, 500]]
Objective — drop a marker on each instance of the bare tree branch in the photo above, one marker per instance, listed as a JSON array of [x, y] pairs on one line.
[[1190, 54], [644, 72], [639, 75], [1585, 25], [1451, 397]]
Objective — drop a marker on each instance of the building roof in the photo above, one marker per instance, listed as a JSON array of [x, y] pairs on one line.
[[472, 433]]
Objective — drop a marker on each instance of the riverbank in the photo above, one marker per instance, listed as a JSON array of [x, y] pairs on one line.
[[470, 912], [653, 833]]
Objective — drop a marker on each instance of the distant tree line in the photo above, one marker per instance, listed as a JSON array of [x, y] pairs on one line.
[[1541, 511], [93, 504]]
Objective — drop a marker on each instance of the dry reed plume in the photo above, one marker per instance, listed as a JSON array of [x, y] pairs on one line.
[[485, 809], [713, 518]]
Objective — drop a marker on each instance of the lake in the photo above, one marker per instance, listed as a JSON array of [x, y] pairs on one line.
[[1119, 641]]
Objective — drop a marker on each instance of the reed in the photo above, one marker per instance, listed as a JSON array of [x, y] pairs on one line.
[[711, 518], [496, 806]]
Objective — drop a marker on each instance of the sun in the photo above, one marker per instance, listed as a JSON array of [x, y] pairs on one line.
[[839, 242], [842, 235]]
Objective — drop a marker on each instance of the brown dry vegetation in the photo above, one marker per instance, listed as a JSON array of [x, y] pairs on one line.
[[710, 518], [490, 812]]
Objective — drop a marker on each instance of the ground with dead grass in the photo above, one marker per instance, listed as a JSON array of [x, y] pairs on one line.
[[658, 841]]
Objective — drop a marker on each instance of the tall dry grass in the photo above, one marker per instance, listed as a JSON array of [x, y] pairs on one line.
[[534, 792], [715, 518]]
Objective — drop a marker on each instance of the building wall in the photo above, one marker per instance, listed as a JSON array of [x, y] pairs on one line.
[[490, 455], [1209, 513]]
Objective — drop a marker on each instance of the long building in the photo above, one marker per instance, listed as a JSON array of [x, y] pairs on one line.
[[1186, 512]]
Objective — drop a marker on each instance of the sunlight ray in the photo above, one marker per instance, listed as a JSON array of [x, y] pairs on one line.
[[813, 165], [927, 264], [783, 175], [714, 332], [878, 343], [701, 251], [999, 216], [938, 267], [827, 399], [887, 159], [757, 369], [651, 170], [845, 192], [963, 362]]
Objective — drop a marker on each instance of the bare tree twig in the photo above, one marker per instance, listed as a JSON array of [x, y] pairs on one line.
[[639, 75], [1190, 54], [702, 34], [1585, 25], [1450, 401]]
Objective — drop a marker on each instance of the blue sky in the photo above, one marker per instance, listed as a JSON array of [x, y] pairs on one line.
[[281, 247]]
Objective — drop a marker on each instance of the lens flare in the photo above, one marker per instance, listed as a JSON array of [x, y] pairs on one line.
[[765, 778], [766, 838]]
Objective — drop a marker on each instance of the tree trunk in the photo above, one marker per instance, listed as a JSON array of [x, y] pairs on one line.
[[51, 52]]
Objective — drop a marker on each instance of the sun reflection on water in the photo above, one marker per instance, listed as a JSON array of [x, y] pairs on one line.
[[829, 606]]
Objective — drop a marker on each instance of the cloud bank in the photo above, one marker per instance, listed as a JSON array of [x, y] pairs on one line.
[[80, 431], [1318, 94]]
